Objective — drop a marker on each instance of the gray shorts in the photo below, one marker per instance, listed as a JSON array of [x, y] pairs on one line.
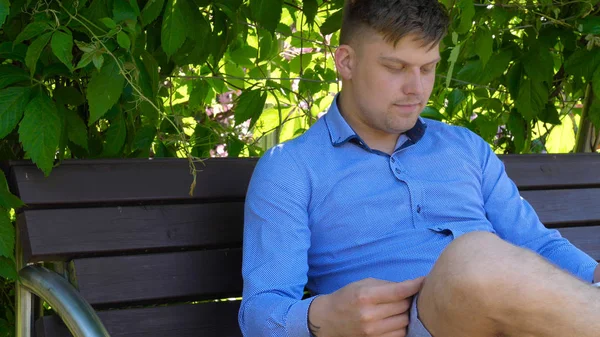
[[416, 327]]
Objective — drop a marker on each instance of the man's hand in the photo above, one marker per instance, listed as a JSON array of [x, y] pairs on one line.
[[369, 307]]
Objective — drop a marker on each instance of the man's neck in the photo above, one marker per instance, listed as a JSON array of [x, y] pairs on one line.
[[376, 140]]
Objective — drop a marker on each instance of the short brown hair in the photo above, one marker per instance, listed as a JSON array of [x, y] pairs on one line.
[[395, 19]]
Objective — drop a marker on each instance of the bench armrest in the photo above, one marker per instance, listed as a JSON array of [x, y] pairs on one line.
[[78, 315]]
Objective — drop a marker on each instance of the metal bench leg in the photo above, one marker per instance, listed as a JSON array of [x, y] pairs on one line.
[[24, 312]]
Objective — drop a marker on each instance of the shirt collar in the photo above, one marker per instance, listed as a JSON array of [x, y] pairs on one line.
[[341, 132]]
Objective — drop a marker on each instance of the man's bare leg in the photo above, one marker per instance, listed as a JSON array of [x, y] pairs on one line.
[[482, 286]]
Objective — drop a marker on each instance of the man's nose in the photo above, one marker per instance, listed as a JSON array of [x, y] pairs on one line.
[[414, 83]]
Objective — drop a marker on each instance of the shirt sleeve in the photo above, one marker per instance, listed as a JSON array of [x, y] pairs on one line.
[[276, 242], [515, 220]]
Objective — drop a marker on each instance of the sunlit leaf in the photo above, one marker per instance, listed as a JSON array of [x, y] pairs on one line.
[[484, 44]]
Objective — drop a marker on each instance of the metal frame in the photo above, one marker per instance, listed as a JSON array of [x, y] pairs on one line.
[[78, 315]]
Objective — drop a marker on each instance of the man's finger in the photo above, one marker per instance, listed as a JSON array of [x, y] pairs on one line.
[[393, 291]]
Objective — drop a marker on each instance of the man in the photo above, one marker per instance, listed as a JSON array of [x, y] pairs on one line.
[[372, 198]]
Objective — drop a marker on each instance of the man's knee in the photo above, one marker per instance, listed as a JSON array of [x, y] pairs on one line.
[[467, 282]]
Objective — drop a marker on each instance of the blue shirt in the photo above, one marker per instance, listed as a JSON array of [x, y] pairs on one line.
[[325, 210]]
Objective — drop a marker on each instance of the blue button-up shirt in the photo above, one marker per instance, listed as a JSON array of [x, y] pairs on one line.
[[325, 210]]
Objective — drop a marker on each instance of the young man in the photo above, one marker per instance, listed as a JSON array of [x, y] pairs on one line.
[[372, 199]]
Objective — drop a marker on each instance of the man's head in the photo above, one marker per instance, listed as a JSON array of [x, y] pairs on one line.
[[387, 58]]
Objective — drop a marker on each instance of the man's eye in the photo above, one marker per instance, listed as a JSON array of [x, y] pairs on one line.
[[394, 69], [427, 70]]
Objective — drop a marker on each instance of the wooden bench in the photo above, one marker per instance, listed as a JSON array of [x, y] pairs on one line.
[[154, 261]]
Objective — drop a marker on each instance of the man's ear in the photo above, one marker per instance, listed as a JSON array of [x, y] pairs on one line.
[[345, 60]]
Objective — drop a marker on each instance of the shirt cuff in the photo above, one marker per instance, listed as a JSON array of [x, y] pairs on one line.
[[297, 318], [589, 274]]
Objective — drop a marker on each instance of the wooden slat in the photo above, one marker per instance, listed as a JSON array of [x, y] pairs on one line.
[[565, 207], [130, 181], [544, 171], [63, 234], [191, 320], [182, 276], [585, 238]]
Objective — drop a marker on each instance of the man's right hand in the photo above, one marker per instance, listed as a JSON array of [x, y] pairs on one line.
[[369, 307]]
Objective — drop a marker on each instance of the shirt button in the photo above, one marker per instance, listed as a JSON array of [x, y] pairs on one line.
[[419, 209], [398, 170], [393, 160]]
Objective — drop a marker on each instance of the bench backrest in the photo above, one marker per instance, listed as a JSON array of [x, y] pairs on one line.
[[132, 236]]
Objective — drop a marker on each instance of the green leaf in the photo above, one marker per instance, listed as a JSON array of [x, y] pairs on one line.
[[8, 269], [452, 60], [122, 10], [332, 24], [62, 47], [115, 136], [123, 40], [484, 44], [10, 74], [496, 66], [432, 113], [595, 83], [104, 90], [267, 13], [7, 236], [466, 18], [517, 126], [590, 25], [173, 28], [4, 10], [310, 8], [76, 129], [539, 65], [35, 50], [514, 79], [550, 115], [594, 113], [32, 30], [7, 199], [533, 97], [40, 131], [98, 59], [144, 138], [12, 105], [455, 99], [109, 23], [249, 106], [151, 11], [198, 94], [85, 60], [583, 63]]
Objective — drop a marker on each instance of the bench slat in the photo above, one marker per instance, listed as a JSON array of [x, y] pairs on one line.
[[545, 171], [80, 232], [138, 279], [585, 238], [566, 207], [130, 181], [189, 320]]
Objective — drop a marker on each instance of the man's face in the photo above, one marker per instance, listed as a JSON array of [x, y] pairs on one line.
[[390, 86]]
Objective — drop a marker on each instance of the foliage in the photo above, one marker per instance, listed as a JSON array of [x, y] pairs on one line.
[[199, 78]]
